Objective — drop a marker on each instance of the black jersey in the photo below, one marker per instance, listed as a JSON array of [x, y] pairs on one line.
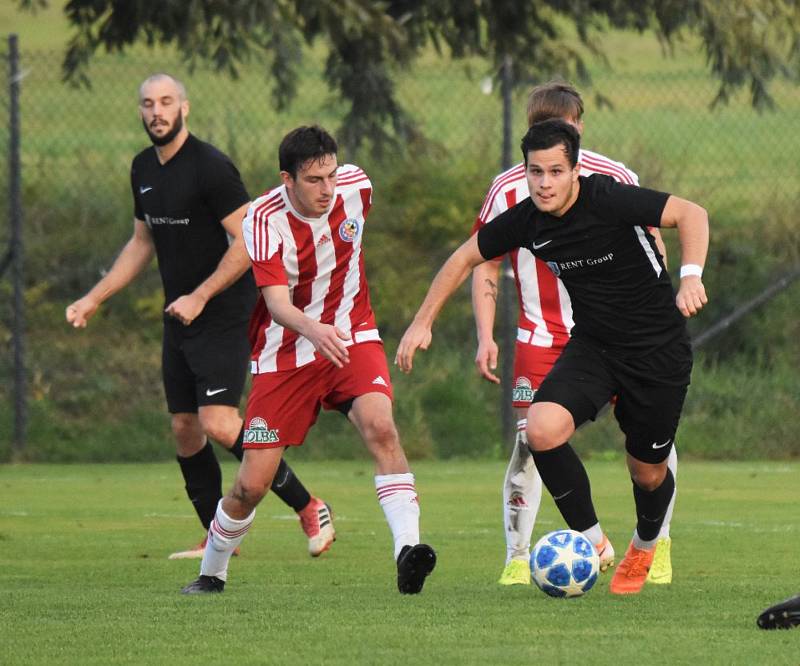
[[183, 203], [622, 297]]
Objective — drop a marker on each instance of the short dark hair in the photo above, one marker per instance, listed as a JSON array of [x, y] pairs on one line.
[[303, 144], [549, 133]]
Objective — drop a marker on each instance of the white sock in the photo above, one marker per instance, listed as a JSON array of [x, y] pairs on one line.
[[672, 463], [641, 544], [594, 534], [522, 495], [398, 499], [224, 535]]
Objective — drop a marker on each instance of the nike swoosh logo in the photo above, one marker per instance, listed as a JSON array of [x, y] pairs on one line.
[[209, 392], [144, 190], [661, 446], [540, 245]]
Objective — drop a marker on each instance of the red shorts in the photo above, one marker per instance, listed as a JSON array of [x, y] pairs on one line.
[[283, 405], [531, 365]]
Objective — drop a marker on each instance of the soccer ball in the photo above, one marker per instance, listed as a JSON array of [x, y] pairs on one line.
[[564, 564]]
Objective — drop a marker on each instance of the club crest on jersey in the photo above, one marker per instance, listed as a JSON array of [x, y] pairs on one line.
[[348, 230], [553, 266], [259, 433], [523, 391]]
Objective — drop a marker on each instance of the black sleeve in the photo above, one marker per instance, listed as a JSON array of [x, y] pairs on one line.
[[627, 205], [506, 232], [137, 208], [222, 185]]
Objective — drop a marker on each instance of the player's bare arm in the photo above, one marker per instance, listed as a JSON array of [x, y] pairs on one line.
[[327, 339], [231, 267], [454, 271], [485, 278], [691, 221], [136, 254]]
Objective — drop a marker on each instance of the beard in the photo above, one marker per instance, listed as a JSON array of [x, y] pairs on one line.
[[169, 136]]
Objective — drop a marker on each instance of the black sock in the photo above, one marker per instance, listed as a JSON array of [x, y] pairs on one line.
[[288, 487], [565, 478], [651, 507], [236, 450], [203, 479]]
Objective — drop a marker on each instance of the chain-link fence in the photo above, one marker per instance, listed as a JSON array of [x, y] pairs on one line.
[[650, 112], [655, 117]]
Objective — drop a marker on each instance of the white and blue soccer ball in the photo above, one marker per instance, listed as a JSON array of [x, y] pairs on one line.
[[564, 564]]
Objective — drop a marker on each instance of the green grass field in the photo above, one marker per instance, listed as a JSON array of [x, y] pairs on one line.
[[85, 579]]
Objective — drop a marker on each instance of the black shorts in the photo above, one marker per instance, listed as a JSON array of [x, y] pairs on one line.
[[204, 365], [650, 391]]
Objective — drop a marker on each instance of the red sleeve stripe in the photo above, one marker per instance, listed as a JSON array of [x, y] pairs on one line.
[[351, 181], [501, 181], [269, 208], [349, 173], [256, 223], [607, 168], [266, 203], [350, 168], [261, 217], [260, 229]]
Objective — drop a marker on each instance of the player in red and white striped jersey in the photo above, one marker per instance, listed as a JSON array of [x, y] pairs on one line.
[[321, 262], [543, 328], [315, 344]]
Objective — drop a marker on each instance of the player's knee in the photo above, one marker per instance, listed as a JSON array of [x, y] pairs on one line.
[[184, 426], [248, 493], [648, 477], [542, 436], [220, 431], [382, 433]]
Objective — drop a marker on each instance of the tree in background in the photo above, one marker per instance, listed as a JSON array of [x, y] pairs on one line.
[[366, 40]]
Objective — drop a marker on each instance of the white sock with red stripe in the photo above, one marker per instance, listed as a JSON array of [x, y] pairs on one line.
[[224, 535], [398, 499]]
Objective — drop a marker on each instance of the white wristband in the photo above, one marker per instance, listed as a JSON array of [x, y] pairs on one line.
[[691, 269]]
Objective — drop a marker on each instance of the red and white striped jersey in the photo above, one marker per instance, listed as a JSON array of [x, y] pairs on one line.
[[545, 316], [319, 259]]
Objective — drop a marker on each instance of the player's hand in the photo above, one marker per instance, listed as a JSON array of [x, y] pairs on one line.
[[691, 296], [417, 336], [186, 308], [327, 340], [486, 361], [79, 313]]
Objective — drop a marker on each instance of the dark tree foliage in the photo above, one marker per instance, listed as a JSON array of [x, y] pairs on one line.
[[746, 43]]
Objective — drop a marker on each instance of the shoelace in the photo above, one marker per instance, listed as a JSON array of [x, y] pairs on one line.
[[638, 564]]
